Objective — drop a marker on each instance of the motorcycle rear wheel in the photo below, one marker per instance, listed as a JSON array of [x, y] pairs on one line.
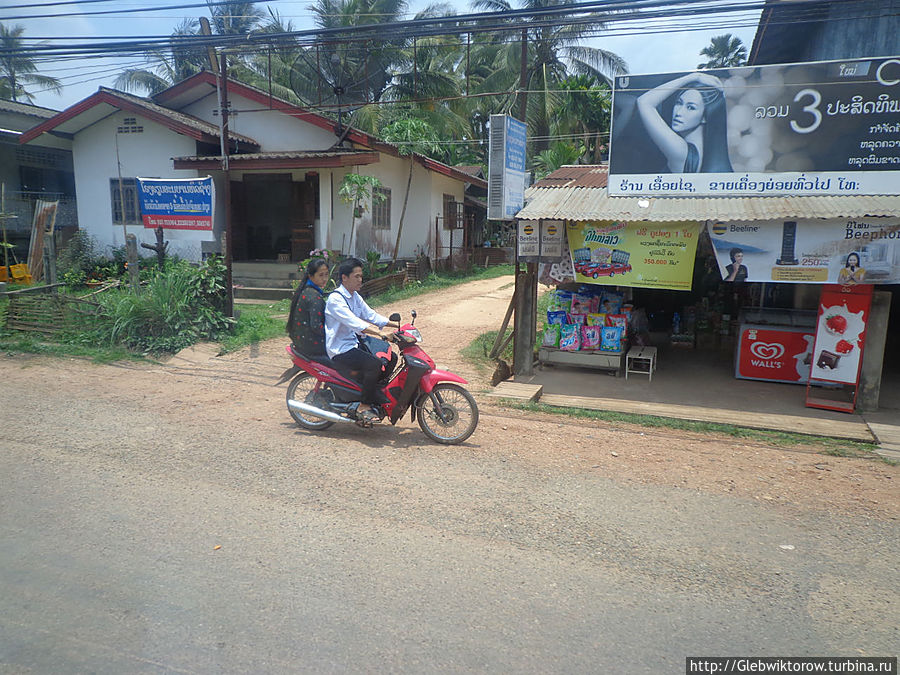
[[302, 388], [460, 412]]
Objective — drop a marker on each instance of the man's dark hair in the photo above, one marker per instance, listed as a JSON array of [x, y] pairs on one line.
[[345, 269]]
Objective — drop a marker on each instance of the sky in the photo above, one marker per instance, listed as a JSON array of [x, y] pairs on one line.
[[660, 46]]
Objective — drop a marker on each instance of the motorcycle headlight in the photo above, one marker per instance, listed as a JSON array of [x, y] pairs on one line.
[[415, 333]]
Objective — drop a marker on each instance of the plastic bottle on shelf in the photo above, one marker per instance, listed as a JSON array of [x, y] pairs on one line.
[[676, 324]]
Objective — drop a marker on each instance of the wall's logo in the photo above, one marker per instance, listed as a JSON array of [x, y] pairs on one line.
[[767, 350]]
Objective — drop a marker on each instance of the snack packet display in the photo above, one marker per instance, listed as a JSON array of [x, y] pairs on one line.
[[551, 336], [611, 338], [581, 304], [570, 338], [590, 337], [596, 320], [557, 318], [577, 319], [617, 320], [612, 302], [560, 300]]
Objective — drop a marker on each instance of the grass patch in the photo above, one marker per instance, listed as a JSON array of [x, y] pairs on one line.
[[256, 323], [823, 444]]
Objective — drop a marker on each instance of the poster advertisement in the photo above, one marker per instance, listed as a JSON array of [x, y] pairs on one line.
[[840, 333], [177, 203], [506, 167], [774, 354], [823, 128], [641, 254], [528, 240], [845, 251]]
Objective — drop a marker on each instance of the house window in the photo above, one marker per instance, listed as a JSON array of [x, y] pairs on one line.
[[381, 211], [453, 212], [129, 194]]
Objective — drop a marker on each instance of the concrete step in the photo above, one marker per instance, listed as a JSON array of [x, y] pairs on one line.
[[261, 293], [263, 282]]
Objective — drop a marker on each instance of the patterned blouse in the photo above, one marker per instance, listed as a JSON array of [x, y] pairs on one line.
[[306, 323]]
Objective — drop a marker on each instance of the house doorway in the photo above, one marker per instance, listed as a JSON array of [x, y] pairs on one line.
[[274, 217]]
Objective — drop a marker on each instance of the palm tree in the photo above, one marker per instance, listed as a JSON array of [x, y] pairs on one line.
[[584, 109], [18, 71], [553, 53], [724, 51], [168, 67], [179, 62]]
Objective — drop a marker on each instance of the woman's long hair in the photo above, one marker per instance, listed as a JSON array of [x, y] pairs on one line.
[[715, 134], [311, 268]]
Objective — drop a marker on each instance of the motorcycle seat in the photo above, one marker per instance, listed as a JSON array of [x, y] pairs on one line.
[[323, 360]]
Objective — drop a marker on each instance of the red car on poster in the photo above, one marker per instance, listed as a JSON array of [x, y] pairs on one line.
[[618, 264]]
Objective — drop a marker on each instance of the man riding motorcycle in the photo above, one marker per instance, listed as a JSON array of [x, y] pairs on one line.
[[346, 317]]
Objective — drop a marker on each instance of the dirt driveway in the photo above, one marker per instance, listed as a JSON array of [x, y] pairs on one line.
[[212, 390]]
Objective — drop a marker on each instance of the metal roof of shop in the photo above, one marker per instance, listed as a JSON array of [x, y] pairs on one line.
[[579, 193]]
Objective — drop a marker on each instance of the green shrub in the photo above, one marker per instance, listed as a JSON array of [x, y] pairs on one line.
[[177, 308]]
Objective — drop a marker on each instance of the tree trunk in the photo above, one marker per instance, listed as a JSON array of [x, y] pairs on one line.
[[403, 212]]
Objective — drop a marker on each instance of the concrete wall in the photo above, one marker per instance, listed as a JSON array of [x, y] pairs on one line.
[[147, 154], [425, 202], [272, 129]]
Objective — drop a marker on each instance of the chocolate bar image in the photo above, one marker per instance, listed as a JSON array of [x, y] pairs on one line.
[[828, 359]]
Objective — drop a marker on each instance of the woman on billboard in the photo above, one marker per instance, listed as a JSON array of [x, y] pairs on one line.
[[695, 139]]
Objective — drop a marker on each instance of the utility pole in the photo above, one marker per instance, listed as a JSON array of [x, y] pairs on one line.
[[223, 106], [525, 295]]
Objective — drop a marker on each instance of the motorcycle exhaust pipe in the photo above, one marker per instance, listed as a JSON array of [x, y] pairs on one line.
[[299, 406]]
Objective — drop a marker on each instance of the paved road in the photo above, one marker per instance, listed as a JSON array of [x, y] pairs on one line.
[[155, 522]]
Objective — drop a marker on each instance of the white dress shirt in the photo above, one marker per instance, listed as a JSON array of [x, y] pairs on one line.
[[347, 316]]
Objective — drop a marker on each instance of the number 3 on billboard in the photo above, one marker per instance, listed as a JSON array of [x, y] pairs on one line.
[[812, 109]]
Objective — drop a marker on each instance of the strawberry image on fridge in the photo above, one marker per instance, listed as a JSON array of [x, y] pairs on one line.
[[838, 347]]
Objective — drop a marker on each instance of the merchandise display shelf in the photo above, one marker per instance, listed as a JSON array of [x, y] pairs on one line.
[[598, 360]]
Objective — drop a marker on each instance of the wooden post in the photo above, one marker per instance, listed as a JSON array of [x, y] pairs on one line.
[[131, 255], [526, 307]]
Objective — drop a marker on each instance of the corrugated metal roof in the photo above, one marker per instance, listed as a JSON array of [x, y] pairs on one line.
[[564, 195]]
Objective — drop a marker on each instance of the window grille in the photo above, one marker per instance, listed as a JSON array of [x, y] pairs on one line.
[[381, 211], [129, 193]]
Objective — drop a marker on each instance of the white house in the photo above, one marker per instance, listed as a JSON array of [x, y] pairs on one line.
[[285, 167]]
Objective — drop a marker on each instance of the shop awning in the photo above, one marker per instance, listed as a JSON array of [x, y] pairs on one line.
[[579, 193], [281, 160]]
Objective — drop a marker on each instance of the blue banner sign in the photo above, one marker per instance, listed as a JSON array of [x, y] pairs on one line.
[[177, 203]]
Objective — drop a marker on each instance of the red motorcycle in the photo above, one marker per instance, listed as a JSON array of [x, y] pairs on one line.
[[319, 395]]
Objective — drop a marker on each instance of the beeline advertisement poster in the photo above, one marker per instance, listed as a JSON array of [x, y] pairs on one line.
[[641, 254], [177, 203], [814, 251], [824, 128]]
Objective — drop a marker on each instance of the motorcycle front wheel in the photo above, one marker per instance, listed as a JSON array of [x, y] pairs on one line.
[[456, 419], [303, 388]]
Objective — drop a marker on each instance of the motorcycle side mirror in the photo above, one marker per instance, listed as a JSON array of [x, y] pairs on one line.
[[394, 317], [413, 314]]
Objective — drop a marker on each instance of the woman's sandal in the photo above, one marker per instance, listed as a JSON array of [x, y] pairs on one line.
[[368, 417]]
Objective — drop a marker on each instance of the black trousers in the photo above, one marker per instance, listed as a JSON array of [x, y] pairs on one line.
[[369, 368]]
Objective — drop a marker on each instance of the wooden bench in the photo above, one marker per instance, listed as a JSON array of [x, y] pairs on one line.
[[640, 360]]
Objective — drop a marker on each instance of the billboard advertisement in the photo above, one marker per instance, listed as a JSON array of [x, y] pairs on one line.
[[641, 254], [177, 203], [837, 251], [506, 167], [824, 128]]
